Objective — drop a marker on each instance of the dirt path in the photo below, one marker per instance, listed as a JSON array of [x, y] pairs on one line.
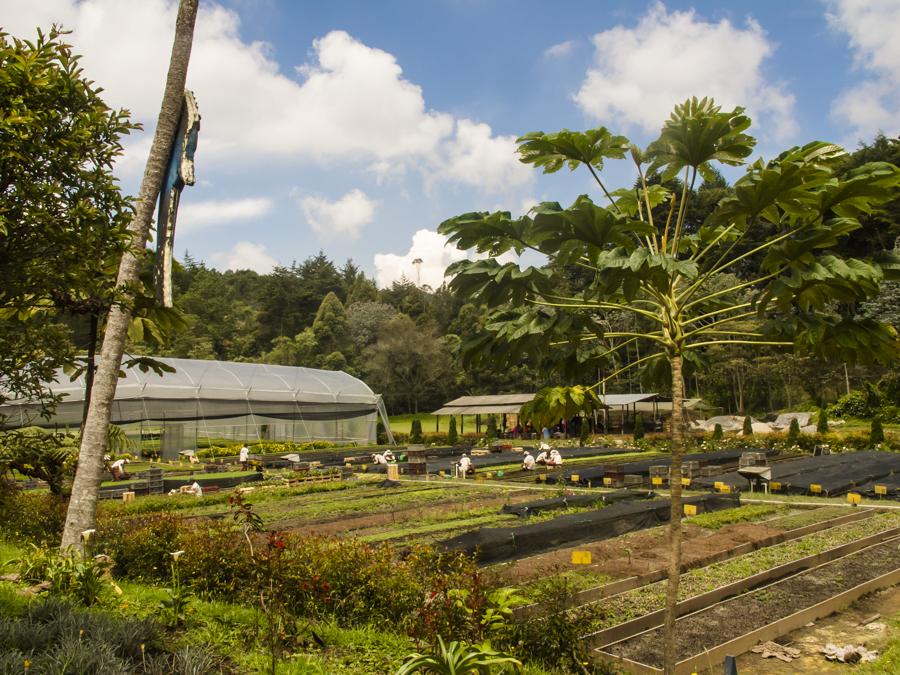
[[728, 620], [638, 553]]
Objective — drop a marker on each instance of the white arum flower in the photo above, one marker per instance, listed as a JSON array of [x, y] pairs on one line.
[[86, 534], [176, 554]]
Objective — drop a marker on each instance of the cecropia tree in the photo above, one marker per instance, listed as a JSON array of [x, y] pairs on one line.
[[639, 254]]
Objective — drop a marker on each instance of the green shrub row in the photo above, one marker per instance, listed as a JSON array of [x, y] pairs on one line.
[[344, 580]]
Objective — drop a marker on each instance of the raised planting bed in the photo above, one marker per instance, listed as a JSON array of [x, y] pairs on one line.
[[733, 626], [646, 593], [645, 599], [496, 544], [531, 508], [697, 602]]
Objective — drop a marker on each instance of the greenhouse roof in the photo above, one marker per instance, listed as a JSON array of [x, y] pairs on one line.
[[210, 390], [229, 381]]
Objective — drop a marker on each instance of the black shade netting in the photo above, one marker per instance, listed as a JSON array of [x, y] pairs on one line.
[[494, 544]]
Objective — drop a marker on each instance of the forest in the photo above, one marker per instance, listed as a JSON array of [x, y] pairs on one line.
[[405, 341]]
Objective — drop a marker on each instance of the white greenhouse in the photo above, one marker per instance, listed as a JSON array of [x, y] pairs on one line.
[[222, 400]]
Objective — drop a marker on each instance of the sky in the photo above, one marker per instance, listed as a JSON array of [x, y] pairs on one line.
[[357, 127]]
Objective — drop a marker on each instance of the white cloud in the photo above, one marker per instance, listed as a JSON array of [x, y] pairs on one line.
[[478, 158], [640, 73], [245, 255], [871, 26], [345, 217], [350, 103], [559, 50], [194, 216], [429, 247], [433, 254]]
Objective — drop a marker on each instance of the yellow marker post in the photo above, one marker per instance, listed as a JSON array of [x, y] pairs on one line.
[[656, 480], [774, 486], [815, 488], [686, 482], [881, 490], [574, 478], [718, 485], [854, 498], [690, 509], [581, 557], [607, 481], [541, 477], [488, 475], [725, 489]]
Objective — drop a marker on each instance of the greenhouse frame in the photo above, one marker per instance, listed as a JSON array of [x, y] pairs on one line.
[[221, 400]]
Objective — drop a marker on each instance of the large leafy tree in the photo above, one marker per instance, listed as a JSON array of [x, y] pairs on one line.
[[62, 216], [663, 273]]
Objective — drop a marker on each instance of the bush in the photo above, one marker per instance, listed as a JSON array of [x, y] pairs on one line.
[[415, 431], [585, 432], [140, 545], [353, 582], [793, 431], [876, 434], [638, 427], [822, 423], [31, 517], [748, 426], [717, 433], [452, 436]]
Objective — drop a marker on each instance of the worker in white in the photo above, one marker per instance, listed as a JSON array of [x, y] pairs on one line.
[[117, 469], [196, 490], [389, 455], [464, 465], [542, 455], [378, 458], [555, 458], [244, 456], [528, 461]]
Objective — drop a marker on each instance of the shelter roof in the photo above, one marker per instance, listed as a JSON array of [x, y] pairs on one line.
[[613, 400], [473, 405]]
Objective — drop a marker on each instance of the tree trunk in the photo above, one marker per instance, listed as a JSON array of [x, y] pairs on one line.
[[91, 367], [82, 511], [675, 522]]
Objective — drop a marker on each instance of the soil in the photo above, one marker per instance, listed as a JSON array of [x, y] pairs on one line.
[[853, 626], [725, 621], [345, 525], [640, 552]]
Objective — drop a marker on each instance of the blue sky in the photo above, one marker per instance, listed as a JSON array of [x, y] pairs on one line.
[[357, 127]]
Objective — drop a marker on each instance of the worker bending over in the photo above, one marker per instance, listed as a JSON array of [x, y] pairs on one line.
[[528, 461], [555, 459]]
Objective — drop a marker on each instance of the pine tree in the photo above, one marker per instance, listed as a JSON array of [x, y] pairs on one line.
[[717, 432], [822, 425], [415, 431], [585, 432], [452, 436], [793, 431], [638, 427], [748, 426], [491, 433], [876, 435]]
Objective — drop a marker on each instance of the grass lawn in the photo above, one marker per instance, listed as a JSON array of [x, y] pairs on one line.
[[401, 424]]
